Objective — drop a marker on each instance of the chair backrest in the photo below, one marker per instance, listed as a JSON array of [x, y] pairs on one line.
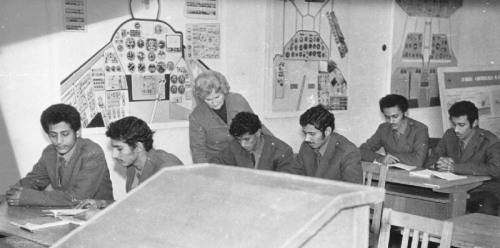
[[370, 169], [421, 228]]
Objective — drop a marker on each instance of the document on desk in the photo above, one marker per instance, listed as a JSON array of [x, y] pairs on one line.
[[38, 223], [402, 166], [443, 175], [65, 212]]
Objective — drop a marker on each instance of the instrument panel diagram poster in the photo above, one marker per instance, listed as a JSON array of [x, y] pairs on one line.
[[480, 86], [202, 41], [75, 15], [307, 57], [201, 9]]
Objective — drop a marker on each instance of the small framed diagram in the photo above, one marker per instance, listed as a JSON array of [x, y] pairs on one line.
[[75, 15]]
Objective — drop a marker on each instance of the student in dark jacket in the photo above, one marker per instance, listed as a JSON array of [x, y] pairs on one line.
[[466, 149], [75, 167], [251, 148], [404, 139], [324, 153], [132, 142]]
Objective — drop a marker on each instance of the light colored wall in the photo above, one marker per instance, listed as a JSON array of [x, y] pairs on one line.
[[35, 56]]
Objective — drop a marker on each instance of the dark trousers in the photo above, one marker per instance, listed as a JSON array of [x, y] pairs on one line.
[[484, 202]]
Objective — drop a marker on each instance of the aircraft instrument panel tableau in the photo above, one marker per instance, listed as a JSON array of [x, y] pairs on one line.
[[312, 51], [140, 72], [422, 44]]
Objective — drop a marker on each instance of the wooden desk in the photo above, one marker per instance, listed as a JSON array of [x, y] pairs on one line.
[[476, 230], [45, 236], [430, 197]]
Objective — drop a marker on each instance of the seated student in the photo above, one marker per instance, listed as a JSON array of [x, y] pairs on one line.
[[75, 167], [467, 149], [404, 139], [132, 142], [251, 148], [324, 153]]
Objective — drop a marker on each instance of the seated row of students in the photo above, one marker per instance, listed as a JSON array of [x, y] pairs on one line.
[[326, 154], [76, 169], [224, 130]]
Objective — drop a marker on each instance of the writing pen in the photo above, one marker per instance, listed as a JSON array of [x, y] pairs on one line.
[[26, 229], [21, 226]]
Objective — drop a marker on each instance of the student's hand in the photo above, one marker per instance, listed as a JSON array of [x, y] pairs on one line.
[[445, 164], [92, 204], [87, 214], [388, 159], [14, 194]]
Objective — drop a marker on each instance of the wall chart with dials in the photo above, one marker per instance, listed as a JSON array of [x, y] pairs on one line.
[[140, 72], [311, 49]]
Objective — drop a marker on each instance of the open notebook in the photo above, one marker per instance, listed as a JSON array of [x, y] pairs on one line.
[[61, 217], [443, 175]]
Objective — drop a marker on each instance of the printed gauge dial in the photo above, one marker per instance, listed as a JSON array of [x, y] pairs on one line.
[[130, 55], [140, 43], [140, 56], [173, 89], [131, 67], [161, 67], [141, 67], [130, 43], [173, 79]]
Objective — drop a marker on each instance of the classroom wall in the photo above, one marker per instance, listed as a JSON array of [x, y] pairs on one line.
[[35, 56]]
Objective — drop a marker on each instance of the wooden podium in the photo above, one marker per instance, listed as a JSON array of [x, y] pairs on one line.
[[221, 206]]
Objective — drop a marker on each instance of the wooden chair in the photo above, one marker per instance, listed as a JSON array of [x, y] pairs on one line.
[[421, 228], [370, 169]]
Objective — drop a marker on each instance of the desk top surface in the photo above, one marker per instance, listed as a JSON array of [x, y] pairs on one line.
[[46, 236], [476, 230], [396, 175]]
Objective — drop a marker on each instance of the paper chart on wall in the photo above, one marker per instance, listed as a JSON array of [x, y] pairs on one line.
[[203, 41], [201, 9], [479, 85], [75, 15]]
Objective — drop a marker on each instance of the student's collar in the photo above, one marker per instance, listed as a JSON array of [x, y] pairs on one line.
[[322, 149], [69, 154], [471, 134], [402, 128], [260, 145]]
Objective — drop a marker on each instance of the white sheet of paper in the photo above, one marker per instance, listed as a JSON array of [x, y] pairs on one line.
[[443, 175], [403, 166], [70, 212]]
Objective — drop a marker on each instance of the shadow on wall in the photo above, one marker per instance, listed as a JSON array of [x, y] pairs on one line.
[[9, 171]]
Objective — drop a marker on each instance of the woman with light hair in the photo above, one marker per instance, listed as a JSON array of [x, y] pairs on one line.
[[210, 120]]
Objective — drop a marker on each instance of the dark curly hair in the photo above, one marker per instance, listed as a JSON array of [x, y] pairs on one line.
[[60, 113], [394, 100], [131, 130], [319, 117], [244, 123], [464, 108]]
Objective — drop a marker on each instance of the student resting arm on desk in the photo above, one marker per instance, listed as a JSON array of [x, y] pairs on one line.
[[132, 142], [404, 140], [250, 148], [74, 167], [467, 149]]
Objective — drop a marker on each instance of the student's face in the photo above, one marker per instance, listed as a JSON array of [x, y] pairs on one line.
[[249, 141], [462, 126], [123, 153], [215, 100], [394, 116], [314, 137], [62, 137]]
